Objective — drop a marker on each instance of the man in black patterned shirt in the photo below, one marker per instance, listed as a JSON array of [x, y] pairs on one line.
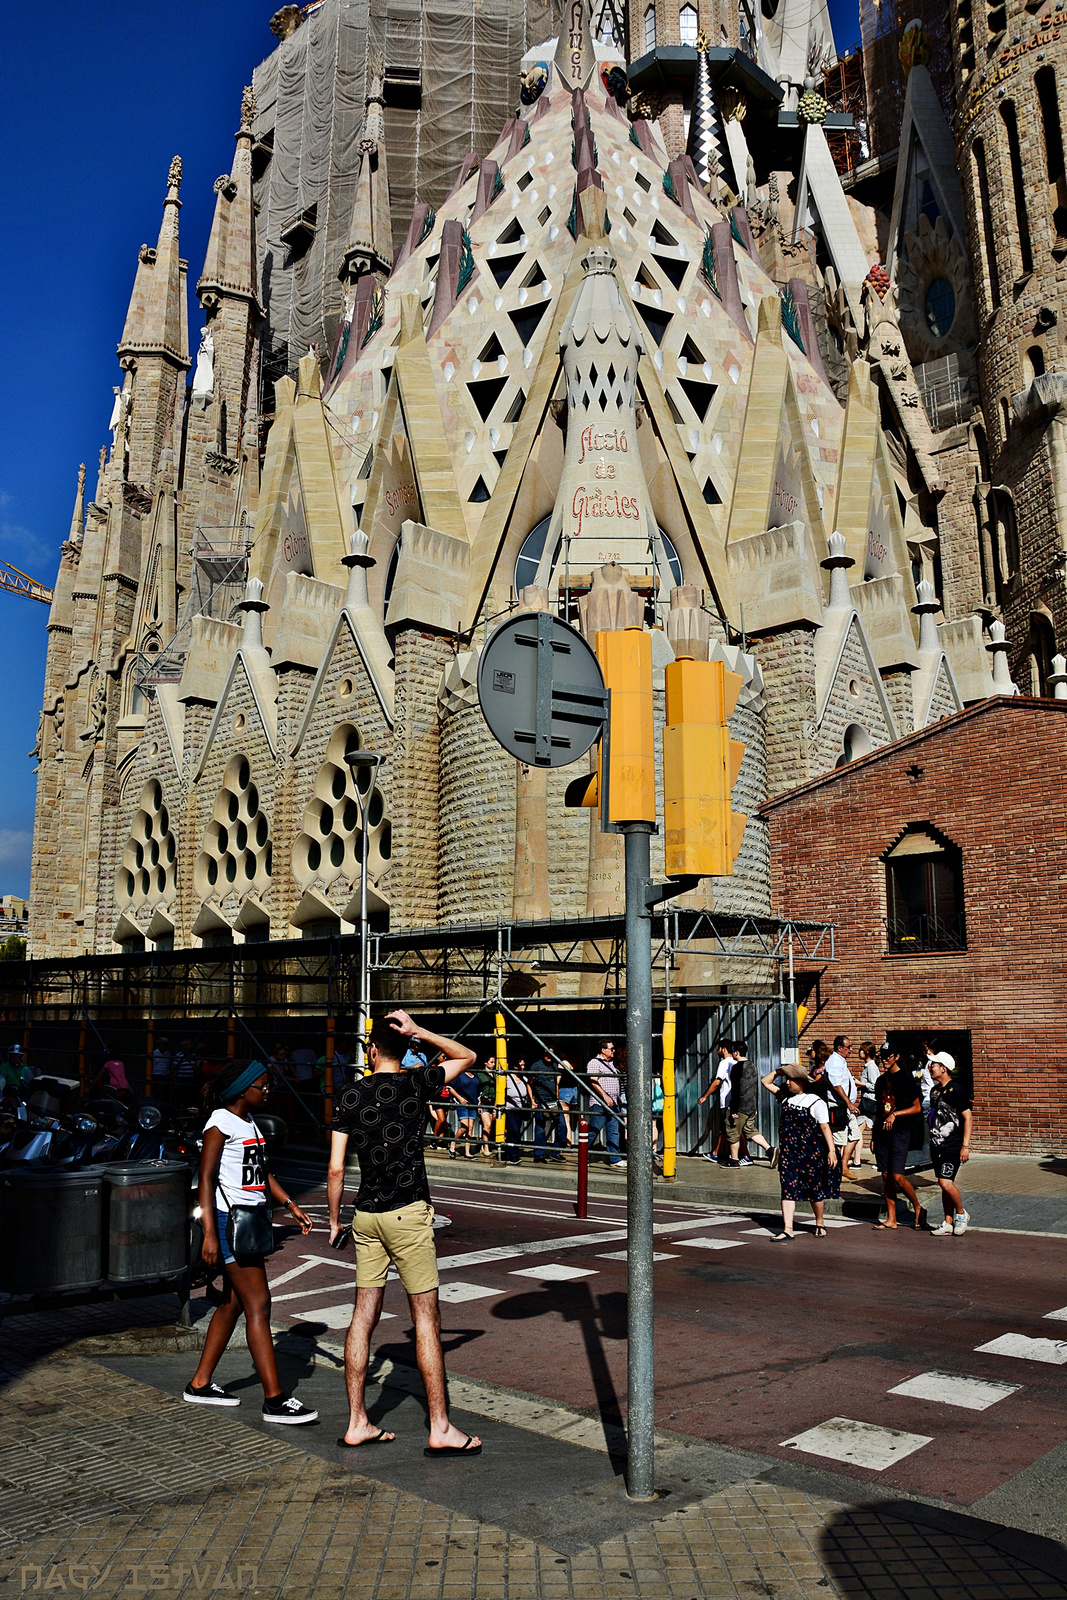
[[383, 1115]]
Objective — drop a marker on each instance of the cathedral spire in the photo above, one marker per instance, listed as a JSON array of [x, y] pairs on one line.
[[77, 521], [155, 322], [575, 56], [705, 132], [230, 262], [370, 233]]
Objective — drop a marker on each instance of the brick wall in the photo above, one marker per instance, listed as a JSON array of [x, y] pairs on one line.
[[989, 779]]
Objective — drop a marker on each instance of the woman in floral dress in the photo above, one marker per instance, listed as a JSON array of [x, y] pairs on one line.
[[805, 1157]]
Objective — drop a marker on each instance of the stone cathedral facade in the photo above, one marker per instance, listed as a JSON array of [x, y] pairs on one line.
[[638, 365]]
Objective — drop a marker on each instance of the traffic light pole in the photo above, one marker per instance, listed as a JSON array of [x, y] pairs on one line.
[[640, 1425]]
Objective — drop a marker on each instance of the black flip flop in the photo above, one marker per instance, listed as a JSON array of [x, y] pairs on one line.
[[375, 1438], [454, 1449]]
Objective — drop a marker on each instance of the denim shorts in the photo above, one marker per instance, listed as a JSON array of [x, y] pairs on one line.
[[222, 1219], [568, 1097]]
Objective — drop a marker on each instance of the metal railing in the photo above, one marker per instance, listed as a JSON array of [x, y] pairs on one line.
[[922, 933]]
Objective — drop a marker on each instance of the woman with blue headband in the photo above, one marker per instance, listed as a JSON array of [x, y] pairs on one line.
[[236, 1218]]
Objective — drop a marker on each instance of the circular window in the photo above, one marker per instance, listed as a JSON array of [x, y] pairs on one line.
[[533, 547], [940, 307], [239, 723], [854, 688], [345, 689]]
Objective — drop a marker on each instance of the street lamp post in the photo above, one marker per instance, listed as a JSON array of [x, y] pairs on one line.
[[363, 760]]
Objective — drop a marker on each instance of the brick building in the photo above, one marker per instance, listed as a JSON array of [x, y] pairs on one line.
[[942, 859]]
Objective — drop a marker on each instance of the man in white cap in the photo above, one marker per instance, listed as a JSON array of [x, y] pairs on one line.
[[951, 1119]]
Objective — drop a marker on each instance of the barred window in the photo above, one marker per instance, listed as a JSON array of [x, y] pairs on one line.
[[924, 893]]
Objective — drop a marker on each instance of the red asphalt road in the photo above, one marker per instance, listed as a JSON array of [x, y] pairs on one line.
[[754, 1344]]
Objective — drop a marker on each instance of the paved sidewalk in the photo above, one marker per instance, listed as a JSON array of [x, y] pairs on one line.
[[110, 1484]]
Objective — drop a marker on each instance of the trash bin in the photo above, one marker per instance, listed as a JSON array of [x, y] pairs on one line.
[[147, 1212], [50, 1225]]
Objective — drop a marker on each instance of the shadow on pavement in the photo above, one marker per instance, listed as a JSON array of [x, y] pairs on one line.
[[599, 1318], [890, 1550]]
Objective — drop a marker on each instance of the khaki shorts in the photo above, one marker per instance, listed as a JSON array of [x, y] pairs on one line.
[[403, 1238], [741, 1124]]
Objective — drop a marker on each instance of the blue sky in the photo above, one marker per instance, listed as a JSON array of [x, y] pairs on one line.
[[97, 102]]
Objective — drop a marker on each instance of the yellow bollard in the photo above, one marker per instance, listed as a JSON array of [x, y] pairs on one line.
[[670, 1103], [501, 1076]]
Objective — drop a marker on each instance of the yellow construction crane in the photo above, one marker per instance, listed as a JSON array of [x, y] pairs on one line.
[[21, 583]]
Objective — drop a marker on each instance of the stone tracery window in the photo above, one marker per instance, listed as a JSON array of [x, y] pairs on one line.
[[330, 842], [147, 875], [236, 854]]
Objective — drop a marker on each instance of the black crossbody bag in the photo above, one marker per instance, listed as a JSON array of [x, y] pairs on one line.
[[250, 1229]]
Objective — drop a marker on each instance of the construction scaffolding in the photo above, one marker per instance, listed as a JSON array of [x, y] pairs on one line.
[[247, 1000], [881, 25], [219, 572], [845, 89]]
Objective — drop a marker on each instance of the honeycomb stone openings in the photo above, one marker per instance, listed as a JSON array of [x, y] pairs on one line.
[[147, 876], [329, 845], [236, 855]]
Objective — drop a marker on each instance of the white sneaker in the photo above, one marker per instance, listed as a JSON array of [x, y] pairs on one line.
[[617, 1166], [960, 1224], [943, 1230]]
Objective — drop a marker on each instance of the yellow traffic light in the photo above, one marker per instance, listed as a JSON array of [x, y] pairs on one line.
[[702, 833], [584, 791], [625, 658]]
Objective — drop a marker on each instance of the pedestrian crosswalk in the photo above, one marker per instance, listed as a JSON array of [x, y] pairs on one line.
[[853, 1441]]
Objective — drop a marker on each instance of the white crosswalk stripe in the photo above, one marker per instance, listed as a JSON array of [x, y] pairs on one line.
[[1023, 1348], [455, 1294], [554, 1272], [624, 1255], [956, 1389], [859, 1443], [712, 1244]]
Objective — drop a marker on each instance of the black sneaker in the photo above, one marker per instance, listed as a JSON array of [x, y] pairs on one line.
[[287, 1408], [209, 1395]]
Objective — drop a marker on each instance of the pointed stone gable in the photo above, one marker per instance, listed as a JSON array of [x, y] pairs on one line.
[[855, 700], [304, 517]]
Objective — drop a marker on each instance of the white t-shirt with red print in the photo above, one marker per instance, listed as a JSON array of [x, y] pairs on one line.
[[242, 1179]]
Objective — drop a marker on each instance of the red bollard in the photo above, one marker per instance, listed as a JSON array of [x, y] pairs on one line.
[[583, 1168]]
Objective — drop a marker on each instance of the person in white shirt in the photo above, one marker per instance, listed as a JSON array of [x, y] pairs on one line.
[[870, 1068], [234, 1179], [806, 1156], [843, 1086], [719, 1088], [926, 1076]]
